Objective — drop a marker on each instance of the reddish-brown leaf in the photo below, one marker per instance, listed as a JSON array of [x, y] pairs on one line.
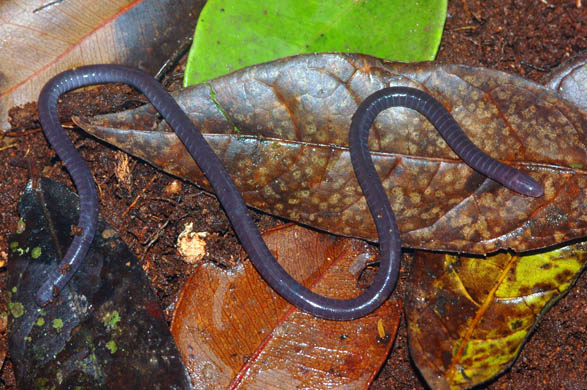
[[41, 38], [234, 331], [281, 130]]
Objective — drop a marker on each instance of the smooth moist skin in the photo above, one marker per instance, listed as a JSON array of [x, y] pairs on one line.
[[231, 200], [444, 123]]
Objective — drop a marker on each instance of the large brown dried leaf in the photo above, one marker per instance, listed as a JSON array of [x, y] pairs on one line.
[[468, 318], [41, 38], [234, 331], [281, 130]]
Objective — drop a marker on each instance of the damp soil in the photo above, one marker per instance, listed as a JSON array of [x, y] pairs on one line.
[[149, 209]]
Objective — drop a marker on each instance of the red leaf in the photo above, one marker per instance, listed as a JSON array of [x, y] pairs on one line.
[[233, 330]]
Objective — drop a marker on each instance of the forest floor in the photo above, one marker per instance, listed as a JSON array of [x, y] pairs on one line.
[[528, 38]]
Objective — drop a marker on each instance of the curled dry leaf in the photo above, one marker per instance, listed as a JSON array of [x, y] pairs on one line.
[[281, 130], [234, 331], [469, 317], [570, 80], [41, 38]]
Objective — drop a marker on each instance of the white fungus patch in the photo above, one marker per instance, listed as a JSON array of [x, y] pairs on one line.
[[191, 245]]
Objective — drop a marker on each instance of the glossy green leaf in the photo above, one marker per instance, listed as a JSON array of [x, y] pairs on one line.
[[231, 35]]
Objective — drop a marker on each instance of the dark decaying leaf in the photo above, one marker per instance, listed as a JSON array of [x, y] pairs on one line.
[[234, 331], [281, 130], [41, 38], [105, 329], [468, 318]]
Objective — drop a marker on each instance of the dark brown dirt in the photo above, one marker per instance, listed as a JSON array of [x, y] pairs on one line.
[[523, 37]]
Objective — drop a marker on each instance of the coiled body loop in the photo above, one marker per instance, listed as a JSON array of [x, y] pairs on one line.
[[231, 199]]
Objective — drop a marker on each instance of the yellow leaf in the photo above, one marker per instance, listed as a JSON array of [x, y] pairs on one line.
[[468, 317]]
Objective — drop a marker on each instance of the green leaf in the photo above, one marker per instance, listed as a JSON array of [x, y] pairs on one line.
[[231, 35]]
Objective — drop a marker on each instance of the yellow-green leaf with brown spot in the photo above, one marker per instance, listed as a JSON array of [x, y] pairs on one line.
[[468, 317]]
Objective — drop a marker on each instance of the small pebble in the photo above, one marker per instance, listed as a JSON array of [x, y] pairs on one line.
[[173, 188]]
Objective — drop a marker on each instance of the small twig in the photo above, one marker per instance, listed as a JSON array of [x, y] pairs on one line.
[[164, 200], [155, 236], [8, 146], [140, 195], [538, 68], [100, 193], [66, 125], [22, 133], [45, 6], [464, 28], [174, 57]]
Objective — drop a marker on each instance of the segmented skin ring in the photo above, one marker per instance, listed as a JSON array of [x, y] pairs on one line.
[[232, 201]]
